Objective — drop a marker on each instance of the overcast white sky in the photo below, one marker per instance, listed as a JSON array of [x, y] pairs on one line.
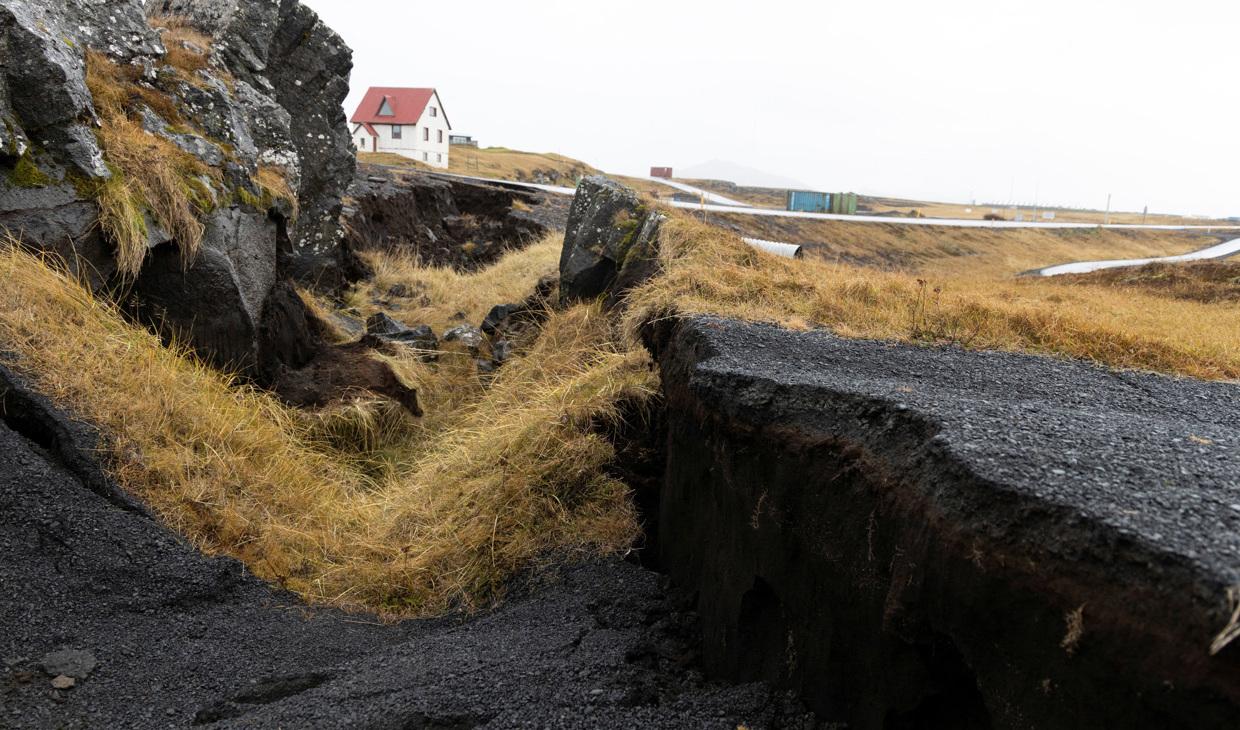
[[1065, 100]]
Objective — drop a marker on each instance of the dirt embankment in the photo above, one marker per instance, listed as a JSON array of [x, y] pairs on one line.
[[442, 220]]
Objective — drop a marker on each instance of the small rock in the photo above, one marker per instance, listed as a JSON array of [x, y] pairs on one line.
[[400, 291], [63, 682], [421, 337], [73, 663], [468, 335], [501, 352], [499, 316]]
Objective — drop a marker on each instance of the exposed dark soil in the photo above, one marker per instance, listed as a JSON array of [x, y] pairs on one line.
[[445, 220], [179, 639]]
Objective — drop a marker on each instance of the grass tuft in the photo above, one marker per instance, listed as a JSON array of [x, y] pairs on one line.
[[444, 298], [273, 181], [121, 215], [156, 176]]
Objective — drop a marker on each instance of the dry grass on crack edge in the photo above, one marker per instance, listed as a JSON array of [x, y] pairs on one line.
[[493, 479]]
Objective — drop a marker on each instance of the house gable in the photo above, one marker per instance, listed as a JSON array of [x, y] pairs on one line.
[[439, 105]]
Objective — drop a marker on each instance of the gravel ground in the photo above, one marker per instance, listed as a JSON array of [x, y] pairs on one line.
[[179, 639]]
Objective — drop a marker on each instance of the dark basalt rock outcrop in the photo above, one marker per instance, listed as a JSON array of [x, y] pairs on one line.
[[443, 221], [47, 117], [268, 97], [281, 49], [913, 537], [610, 242], [339, 372], [217, 304]]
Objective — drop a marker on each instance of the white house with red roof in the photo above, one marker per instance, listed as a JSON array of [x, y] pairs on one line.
[[407, 122]]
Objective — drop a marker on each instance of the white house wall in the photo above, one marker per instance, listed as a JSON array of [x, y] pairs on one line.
[[426, 141]]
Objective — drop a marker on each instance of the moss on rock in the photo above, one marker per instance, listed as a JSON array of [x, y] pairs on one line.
[[26, 173]]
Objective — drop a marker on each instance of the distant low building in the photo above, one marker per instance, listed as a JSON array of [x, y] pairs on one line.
[[807, 201], [462, 140], [662, 172], [407, 122]]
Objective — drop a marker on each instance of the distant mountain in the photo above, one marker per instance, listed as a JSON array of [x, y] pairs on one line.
[[737, 173]]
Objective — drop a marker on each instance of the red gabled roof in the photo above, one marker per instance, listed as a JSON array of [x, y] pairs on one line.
[[407, 105], [370, 129]]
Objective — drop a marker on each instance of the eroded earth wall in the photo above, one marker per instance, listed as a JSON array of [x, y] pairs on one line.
[[913, 537]]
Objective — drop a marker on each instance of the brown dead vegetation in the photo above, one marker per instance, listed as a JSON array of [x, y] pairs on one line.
[[358, 504], [707, 271], [1209, 282]]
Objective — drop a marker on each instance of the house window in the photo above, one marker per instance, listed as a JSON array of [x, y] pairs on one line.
[[441, 136], [434, 112], [426, 134], [396, 131], [438, 157], [426, 157]]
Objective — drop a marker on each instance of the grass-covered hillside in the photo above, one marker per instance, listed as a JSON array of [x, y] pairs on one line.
[[358, 504]]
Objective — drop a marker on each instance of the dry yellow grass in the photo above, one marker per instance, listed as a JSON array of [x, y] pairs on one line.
[[930, 209], [187, 46], [153, 175], [273, 181], [499, 163], [392, 159], [1201, 281], [441, 294], [493, 479], [709, 271], [944, 250], [506, 164]]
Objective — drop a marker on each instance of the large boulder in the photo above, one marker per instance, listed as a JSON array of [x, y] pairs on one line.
[[610, 244], [43, 92], [46, 115], [282, 49], [216, 304]]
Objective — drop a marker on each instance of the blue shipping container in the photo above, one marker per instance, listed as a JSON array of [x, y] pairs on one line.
[[807, 201]]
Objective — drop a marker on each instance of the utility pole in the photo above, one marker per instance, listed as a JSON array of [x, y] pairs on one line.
[[1108, 216]]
